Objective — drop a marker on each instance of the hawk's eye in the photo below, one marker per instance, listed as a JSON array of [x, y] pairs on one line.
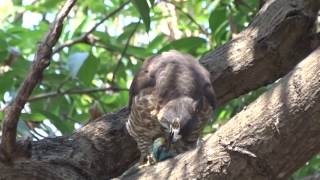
[[175, 125]]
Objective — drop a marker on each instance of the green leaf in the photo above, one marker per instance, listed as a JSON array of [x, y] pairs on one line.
[[109, 99], [1, 116], [104, 37], [54, 78], [66, 127], [88, 69], [217, 17], [127, 31], [95, 6], [138, 51], [143, 8], [38, 117], [21, 68], [3, 49], [81, 27], [75, 62], [156, 43], [3, 55], [6, 82], [189, 44]]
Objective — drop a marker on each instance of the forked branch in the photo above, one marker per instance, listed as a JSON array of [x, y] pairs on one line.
[[9, 149]]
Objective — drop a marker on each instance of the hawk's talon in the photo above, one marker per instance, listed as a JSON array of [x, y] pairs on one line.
[[142, 159], [150, 160]]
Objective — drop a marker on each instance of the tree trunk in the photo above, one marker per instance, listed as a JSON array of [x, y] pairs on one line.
[[279, 37]]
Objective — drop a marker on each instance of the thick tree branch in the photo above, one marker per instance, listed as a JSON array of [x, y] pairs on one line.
[[85, 37], [103, 149], [277, 39], [12, 112], [267, 140]]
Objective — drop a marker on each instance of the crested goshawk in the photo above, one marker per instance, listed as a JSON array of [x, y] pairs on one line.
[[171, 96]]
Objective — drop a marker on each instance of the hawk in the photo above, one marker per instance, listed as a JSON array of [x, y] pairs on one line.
[[171, 96]]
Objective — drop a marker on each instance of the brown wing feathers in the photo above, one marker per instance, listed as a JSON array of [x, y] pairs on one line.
[[172, 74]]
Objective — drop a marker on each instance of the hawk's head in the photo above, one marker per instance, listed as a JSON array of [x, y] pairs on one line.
[[179, 117]]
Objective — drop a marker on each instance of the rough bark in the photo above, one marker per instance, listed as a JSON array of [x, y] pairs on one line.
[[9, 148], [270, 139], [103, 149], [277, 39], [96, 151]]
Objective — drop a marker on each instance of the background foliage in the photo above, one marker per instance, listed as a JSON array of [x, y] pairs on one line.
[[102, 46]]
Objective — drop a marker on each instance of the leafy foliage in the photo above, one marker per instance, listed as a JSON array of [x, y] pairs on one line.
[[109, 56]]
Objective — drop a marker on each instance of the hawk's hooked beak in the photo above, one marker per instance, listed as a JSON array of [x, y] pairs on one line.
[[174, 134]]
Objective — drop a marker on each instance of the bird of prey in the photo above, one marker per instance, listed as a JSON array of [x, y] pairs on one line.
[[171, 96]]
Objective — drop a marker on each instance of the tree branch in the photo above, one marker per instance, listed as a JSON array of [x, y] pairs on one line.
[[74, 91], [84, 37], [12, 112], [267, 140], [273, 44], [103, 149]]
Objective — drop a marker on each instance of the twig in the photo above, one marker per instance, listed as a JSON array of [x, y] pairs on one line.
[[9, 150], [189, 17], [19, 16], [62, 83], [74, 91], [111, 49], [124, 52], [84, 37], [233, 26]]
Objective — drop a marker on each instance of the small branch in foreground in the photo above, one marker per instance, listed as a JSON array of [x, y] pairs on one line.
[[10, 149], [124, 52], [111, 49], [74, 91], [85, 37]]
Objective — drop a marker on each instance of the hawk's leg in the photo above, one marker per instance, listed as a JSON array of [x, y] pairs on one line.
[[144, 145]]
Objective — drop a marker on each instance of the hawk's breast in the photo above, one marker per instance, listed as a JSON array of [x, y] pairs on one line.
[[143, 116]]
